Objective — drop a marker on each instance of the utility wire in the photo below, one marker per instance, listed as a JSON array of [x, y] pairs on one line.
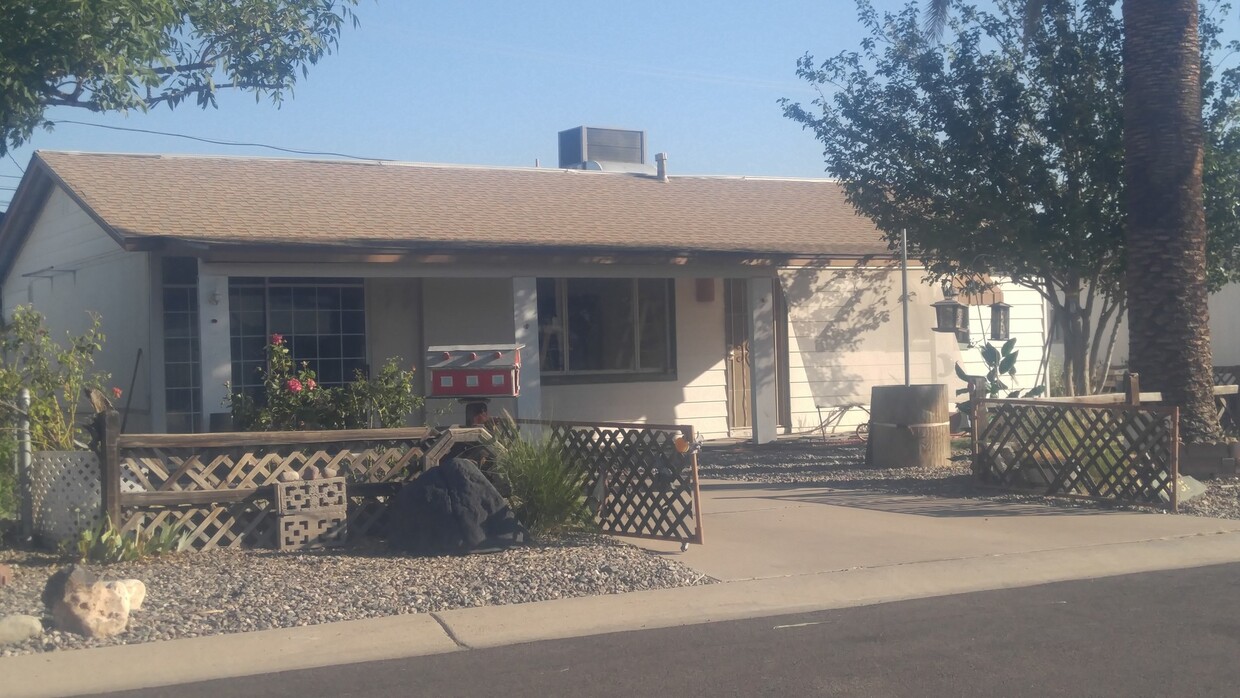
[[220, 142], [15, 162]]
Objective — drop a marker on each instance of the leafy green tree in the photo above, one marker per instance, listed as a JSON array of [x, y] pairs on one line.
[[118, 55], [1000, 150], [1166, 171]]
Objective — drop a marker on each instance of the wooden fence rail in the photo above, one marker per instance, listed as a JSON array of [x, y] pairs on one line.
[[220, 488], [640, 483], [1115, 452]]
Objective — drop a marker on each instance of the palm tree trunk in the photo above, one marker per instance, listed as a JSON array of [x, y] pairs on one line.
[[1168, 320]]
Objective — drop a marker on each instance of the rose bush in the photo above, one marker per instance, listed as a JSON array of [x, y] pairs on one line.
[[292, 399]]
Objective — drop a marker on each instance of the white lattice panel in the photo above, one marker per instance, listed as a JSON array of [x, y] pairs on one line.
[[64, 494]]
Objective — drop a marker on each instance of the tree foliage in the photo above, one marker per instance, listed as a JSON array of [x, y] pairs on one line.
[[1000, 150], [118, 55]]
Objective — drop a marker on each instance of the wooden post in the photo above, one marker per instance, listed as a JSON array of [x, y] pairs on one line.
[[25, 461], [699, 536], [979, 414], [108, 427], [1175, 460], [1132, 388]]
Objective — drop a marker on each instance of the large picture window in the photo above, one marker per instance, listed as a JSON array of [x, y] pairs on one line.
[[605, 329], [323, 322]]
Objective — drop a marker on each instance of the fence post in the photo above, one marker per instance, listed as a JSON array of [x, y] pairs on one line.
[[25, 461], [1132, 388], [977, 399], [108, 427]]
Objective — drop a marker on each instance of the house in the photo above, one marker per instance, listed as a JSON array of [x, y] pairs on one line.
[[740, 305]]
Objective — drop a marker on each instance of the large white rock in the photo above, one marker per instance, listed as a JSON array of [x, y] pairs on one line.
[[81, 604], [133, 590], [19, 628]]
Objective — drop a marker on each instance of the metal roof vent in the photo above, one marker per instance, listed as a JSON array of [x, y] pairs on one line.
[[607, 149]]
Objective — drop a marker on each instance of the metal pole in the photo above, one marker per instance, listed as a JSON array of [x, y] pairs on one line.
[[908, 372], [24, 460]]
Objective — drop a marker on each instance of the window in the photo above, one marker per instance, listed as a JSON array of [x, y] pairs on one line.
[[182, 375], [323, 322], [602, 329]]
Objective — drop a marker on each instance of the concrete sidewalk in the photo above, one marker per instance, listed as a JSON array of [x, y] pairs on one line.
[[777, 549]]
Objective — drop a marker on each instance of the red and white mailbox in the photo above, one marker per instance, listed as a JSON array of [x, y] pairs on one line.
[[475, 371]]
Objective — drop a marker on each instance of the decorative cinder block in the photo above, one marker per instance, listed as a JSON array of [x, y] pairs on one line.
[[320, 529], [304, 496]]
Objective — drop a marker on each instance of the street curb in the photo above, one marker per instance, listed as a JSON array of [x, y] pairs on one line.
[[149, 665]]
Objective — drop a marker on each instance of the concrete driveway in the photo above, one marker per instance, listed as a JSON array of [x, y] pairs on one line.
[[761, 531]]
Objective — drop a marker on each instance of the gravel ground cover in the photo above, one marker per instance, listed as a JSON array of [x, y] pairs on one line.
[[224, 591], [842, 466]]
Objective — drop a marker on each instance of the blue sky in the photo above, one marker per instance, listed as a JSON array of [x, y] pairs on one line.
[[493, 82]]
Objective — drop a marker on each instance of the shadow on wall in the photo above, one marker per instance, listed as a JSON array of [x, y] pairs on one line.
[[836, 317]]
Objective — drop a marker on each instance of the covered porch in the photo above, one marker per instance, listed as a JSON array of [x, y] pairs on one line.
[[616, 340]]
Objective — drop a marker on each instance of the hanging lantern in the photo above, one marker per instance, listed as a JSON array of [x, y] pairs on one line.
[[1000, 321], [950, 316]]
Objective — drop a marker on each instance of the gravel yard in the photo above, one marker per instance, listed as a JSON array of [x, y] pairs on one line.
[[842, 466], [224, 591]]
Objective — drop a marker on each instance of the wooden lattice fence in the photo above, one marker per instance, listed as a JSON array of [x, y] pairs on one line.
[[639, 483], [219, 488], [1116, 452]]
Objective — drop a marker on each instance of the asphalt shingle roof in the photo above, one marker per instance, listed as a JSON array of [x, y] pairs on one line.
[[268, 201]]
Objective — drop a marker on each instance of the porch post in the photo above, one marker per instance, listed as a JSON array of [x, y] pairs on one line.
[[764, 407], [525, 331], [215, 348]]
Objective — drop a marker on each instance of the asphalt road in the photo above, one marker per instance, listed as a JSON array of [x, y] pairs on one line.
[[1158, 634]]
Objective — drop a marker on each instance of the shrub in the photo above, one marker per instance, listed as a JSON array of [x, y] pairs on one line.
[[57, 376], [1000, 362], [548, 487], [292, 399], [106, 544]]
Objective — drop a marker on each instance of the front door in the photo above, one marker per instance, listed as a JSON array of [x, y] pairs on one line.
[[736, 338]]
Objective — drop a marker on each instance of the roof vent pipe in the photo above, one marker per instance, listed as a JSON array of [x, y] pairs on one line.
[[660, 160]]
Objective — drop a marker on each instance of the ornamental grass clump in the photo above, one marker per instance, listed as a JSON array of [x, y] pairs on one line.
[[548, 487]]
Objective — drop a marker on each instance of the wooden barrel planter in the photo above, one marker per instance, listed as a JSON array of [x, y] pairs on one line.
[[909, 426]]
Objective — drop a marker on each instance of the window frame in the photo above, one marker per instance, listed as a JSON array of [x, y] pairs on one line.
[[267, 284], [568, 376]]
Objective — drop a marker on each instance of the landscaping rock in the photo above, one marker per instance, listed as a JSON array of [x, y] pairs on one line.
[[82, 604], [6, 575], [133, 590], [289, 476], [19, 628], [451, 509], [65, 580]]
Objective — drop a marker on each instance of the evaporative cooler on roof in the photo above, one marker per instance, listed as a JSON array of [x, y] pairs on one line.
[[585, 144]]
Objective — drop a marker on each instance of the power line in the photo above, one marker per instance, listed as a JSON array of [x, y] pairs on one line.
[[219, 142], [15, 162]]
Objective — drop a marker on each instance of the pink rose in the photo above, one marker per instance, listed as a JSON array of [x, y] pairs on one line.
[[293, 385], [277, 338], [310, 384], [116, 393]]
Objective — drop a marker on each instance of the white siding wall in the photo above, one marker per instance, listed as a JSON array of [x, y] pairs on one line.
[[1224, 329], [90, 272], [479, 311], [845, 335], [394, 324], [697, 396], [1029, 327], [465, 311]]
